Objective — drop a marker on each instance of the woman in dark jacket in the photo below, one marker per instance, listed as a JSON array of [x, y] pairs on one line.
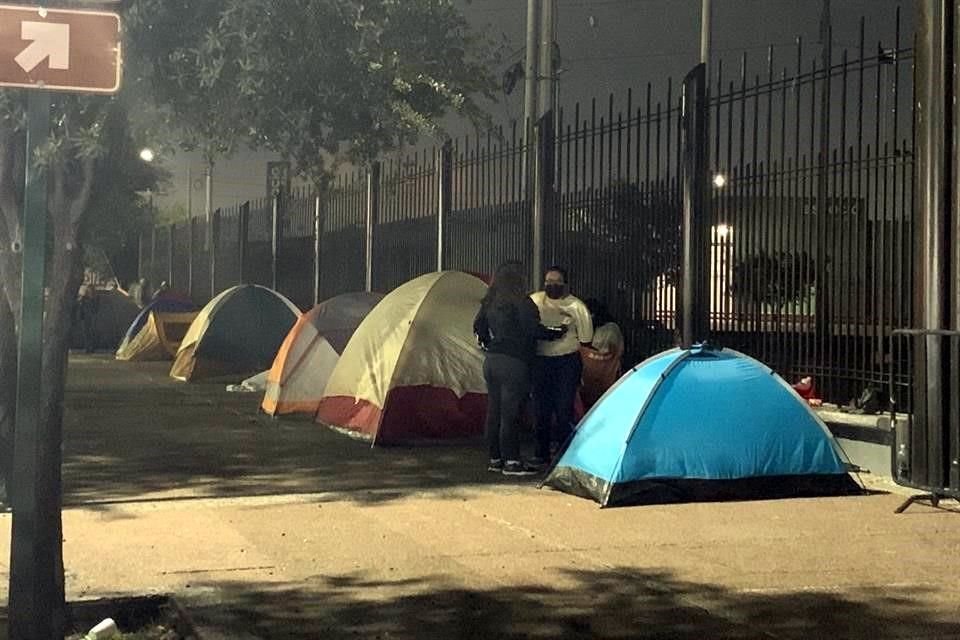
[[508, 327]]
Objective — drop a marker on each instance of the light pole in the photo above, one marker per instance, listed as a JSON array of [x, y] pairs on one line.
[[148, 156], [706, 31]]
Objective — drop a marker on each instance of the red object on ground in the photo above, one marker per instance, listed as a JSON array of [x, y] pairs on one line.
[[414, 414], [805, 388]]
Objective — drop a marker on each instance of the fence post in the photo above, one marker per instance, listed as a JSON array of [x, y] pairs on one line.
[[191, 230], [153, 257], [140, 269], [543, 175], [171, 253], [373, 209], [243, 220], [317, 246], [821, 232], [694, 302], [214, 234], [931, 203], [275, 232], [444, 198]]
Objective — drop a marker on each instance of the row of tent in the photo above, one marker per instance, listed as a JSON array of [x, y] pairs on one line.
[[691, 424], [392, 369]]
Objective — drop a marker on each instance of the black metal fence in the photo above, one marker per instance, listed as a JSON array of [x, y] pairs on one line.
[[810, 216]]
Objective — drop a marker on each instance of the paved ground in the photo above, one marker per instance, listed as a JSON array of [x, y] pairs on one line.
[[273, 529]]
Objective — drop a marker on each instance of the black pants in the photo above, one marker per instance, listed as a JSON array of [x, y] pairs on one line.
[[508, 384], [555, 381]]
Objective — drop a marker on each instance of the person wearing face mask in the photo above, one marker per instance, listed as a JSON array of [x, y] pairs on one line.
[[559, 367], [507, 328]]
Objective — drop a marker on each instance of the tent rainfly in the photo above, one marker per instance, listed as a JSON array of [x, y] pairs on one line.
[[308, 355], [700, 424], [413, 371], [157, 331], [238, 332]]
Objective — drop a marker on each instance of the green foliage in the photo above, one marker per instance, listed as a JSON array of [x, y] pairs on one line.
[[316, 81], [118, 209], [640, 221], [774, 279]]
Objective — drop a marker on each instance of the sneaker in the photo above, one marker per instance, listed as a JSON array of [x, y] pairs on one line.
[[517, 468], [537, 462], [495, 465]]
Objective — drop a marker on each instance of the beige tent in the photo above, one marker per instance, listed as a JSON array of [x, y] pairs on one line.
[[413, 371], [159, 338]]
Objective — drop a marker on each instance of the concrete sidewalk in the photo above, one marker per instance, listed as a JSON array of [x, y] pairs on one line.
[[272, 529]]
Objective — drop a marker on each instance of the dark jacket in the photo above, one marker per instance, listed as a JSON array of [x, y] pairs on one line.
[[511, 328]]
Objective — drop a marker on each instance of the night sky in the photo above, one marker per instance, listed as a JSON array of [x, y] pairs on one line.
[[627, 43]]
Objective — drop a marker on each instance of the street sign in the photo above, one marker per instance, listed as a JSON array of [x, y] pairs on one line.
[[59, 49]]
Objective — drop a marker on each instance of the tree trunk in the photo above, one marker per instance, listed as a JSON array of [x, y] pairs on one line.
[[63, 279], [8, 387]]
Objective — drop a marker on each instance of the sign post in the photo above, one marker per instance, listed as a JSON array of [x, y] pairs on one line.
[[26, 583], [42, 50]]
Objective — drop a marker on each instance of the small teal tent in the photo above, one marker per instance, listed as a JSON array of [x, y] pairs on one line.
[[700, 424]]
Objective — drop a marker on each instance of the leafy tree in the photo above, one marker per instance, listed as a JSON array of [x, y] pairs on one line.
[[318, 81], [774, 280], [629, 233]]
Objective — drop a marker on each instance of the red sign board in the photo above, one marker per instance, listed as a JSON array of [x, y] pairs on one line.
[[59, 49]]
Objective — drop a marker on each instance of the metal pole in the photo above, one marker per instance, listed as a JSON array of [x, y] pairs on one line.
[[244, 222], [30, 605], [706, 31], [171, 254], [274, 240], [545, 92], [189, 192], [317, 247], [695, 304], [190, 230], [140, 269], [539, 205], [373, 206], [953, 421], [531, 70], [930, 204], [208, 204], [822, 319], [213, 231], [153, 249], [444, 198], [190, 244], [531, 75]]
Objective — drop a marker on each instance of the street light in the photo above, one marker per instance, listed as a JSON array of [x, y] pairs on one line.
[[147, 155], [719, 181]]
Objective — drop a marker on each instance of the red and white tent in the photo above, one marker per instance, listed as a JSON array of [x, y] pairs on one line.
[[413, 370]]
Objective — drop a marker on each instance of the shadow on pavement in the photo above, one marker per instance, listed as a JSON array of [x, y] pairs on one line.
[[133, 434], [619, 603]]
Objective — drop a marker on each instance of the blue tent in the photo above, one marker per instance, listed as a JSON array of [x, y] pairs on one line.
[[700, 424], [163, 304]]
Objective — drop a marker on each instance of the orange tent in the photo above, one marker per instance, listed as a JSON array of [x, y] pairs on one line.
[[309, 353], [413, 370]]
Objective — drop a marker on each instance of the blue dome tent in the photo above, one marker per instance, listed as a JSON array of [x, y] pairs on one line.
[[167, 304], [700, 424]]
